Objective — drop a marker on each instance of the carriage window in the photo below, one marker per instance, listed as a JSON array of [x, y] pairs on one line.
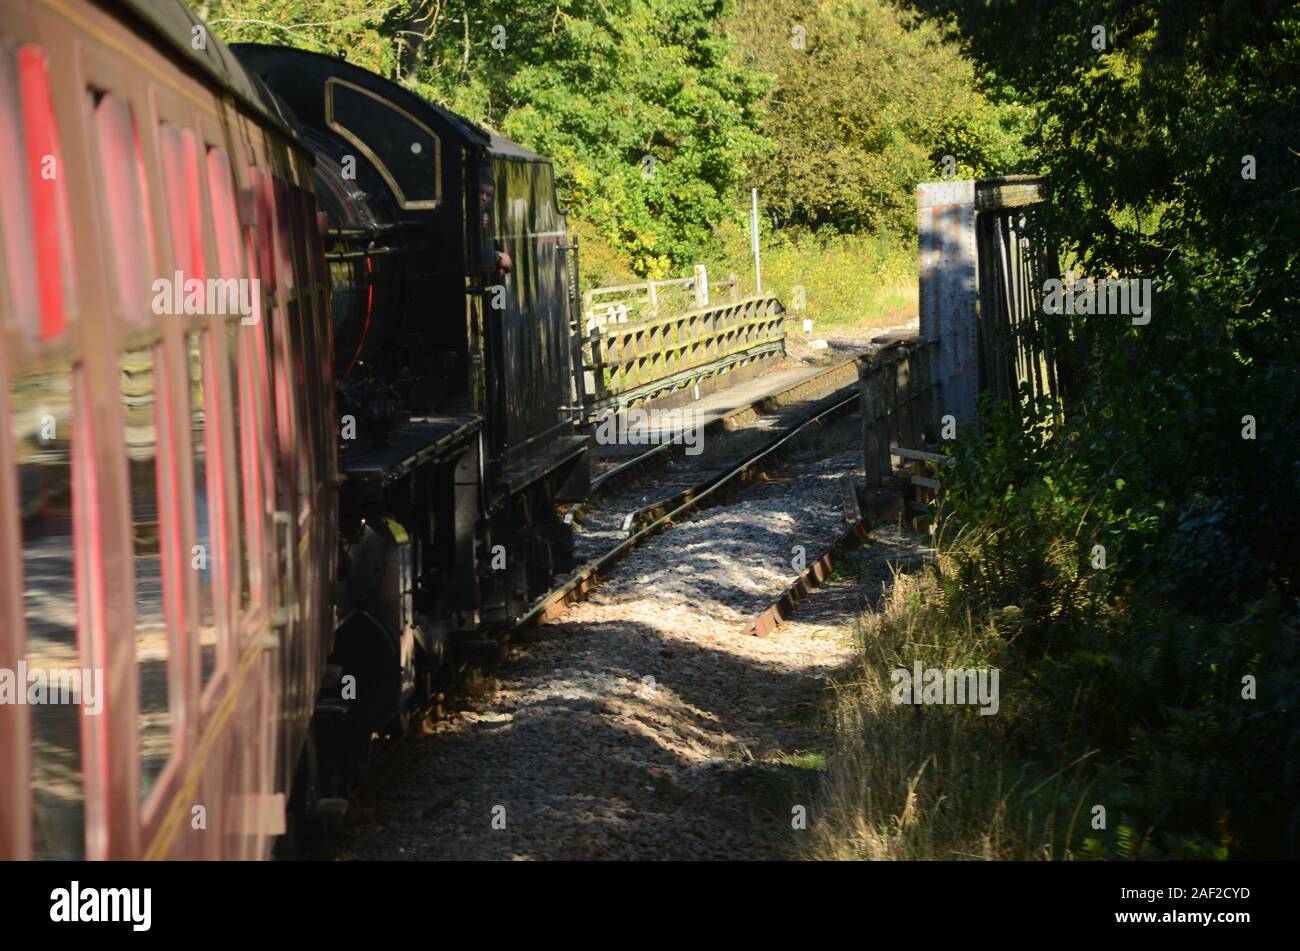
[[233, 363], [181, 179], [304, 232], [179, 153], [311, 327], [405, 151], [285, 242], [314, 221], [201, 561], [15, 205], [257, 373], [42, 429], [265, 213], [138, 387], [305, 465], [224, 216], [226, 220], [128, 206], [50, 228], [271, 368]]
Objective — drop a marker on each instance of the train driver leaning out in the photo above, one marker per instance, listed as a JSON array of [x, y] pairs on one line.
[[496, 262]]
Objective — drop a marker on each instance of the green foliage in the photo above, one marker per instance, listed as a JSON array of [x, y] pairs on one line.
[[865, 104], [1143, 143], [605, 87], [833, 279], [362, 33], [1114, 663]]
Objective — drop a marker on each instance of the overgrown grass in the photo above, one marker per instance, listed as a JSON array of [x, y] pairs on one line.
[[931, 782], [836, 280]]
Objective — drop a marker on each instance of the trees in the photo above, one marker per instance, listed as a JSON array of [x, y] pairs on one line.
[[652, 128], [660, 114], [866, 102], [1169, 137], [650, 124], [1168, 134]]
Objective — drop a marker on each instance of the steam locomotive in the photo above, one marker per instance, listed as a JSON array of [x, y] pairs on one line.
[[236, 547]]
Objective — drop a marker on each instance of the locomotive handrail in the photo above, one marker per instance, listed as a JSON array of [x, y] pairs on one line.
[[354, 255], [366, 233]]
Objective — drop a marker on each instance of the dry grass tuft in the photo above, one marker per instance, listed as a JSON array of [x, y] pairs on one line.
[[923, 782]]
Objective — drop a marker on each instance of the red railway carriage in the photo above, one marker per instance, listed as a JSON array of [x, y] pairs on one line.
[[167, 517]]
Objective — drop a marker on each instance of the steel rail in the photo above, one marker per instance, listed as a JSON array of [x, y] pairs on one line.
[[665, 512]]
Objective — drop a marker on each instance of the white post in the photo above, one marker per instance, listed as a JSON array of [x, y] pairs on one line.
[[701, 286], [753, 231]]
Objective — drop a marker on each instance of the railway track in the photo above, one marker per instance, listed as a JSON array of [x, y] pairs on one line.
[[620, 496], [778, 432], [650, 519]]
